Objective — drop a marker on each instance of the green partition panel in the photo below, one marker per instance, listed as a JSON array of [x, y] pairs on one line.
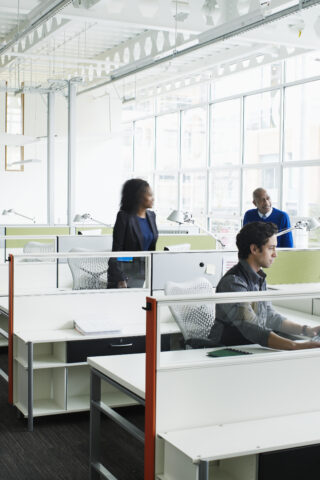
[[197, 242], [23, 231], [295, 266]]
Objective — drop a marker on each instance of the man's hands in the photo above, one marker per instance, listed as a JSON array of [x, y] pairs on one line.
[[305, 345]]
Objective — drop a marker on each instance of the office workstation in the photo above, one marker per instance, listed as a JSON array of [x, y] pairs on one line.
[[214, 105]]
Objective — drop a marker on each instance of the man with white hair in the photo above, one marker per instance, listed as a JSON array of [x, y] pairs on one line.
[[266, 213]]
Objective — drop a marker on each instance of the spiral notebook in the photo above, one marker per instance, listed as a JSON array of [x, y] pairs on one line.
[[227, 352]]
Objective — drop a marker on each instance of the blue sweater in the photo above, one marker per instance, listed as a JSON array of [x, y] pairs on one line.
[[280, 218]]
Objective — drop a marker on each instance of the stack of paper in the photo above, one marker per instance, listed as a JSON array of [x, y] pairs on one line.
[[90, 326]]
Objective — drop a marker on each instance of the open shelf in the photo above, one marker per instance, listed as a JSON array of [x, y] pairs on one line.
[[78, 391]]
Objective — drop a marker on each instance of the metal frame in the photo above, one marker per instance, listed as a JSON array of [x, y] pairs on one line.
[[97, 407]]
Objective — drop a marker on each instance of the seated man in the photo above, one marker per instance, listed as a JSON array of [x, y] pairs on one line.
[[266, 213], [245, 323]]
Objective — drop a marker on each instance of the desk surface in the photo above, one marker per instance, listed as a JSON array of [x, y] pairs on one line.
[[129, 370], [70, 334], [217, 442]]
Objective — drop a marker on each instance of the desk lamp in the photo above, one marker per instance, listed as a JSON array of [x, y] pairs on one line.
[[185, 217], [308, 223], [86, 216], [13, 212]]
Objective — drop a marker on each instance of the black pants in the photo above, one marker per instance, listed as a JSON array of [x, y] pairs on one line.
[[133, 271]]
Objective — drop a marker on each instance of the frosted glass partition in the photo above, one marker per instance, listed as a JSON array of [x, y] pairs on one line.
[[200, 314], [19, 244], [39, 273]]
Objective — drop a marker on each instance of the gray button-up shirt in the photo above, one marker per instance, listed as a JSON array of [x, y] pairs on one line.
[[255, 320]]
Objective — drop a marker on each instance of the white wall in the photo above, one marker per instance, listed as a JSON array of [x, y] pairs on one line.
[[99, 167], [25, 191]]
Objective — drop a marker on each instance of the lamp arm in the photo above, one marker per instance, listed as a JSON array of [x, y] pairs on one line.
[[25, 216], [100, 223], [209, 233], [287, 230]]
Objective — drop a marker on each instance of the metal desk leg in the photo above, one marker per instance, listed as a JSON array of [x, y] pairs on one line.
[[204, 470], [30, 386], [95, 415]]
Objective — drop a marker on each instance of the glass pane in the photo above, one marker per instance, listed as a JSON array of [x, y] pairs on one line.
[[303, 66], [301, 198], [127, 146], [132, 110], [253, 178], [225, 133], [226, 230], [166, 193], [246, 81], [225, 192], [301, 191], [302, 122], [194, 193], [182, 97], [167, 142], [262, 133], [193, 138], [144, 144]]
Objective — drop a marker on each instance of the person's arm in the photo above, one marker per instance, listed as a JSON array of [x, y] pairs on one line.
[[281, 343], [115, 274], [286, 240], [241, 315], [245, 219], [293, 328]]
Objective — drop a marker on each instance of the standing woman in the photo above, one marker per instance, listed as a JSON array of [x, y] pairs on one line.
[[135, 230]]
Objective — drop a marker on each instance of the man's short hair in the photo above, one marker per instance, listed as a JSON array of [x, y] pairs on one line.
[[256, 233]]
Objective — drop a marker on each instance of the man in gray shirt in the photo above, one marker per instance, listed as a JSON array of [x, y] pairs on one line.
[[244, 323]]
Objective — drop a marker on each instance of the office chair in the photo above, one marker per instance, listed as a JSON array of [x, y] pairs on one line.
[[38, 247], [88, 272], [194, 321]]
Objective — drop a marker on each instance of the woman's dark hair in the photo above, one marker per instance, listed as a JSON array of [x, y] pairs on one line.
[[256, 233], [132, 193]]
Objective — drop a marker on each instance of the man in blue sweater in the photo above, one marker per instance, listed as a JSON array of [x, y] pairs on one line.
[[266, 213]]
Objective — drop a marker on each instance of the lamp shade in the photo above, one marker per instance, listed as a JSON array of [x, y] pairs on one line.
[[176, 216], [312, 223]]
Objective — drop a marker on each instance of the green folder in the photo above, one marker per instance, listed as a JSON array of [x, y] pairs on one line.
[[227, 352]]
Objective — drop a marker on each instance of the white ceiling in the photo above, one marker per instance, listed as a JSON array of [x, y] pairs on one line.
[[107, 38]]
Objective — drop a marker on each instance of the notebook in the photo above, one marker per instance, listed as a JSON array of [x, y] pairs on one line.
[[91, 326], [227, 352]]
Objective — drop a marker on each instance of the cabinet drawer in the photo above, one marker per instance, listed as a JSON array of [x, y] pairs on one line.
[[79, 351]]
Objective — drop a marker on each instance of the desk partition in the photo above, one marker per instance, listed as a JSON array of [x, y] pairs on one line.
[[213, 400]]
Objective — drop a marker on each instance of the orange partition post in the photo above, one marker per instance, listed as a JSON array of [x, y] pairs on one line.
[[10, 333], [150, 400]]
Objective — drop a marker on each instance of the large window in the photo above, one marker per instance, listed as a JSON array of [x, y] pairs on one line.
[[167, 144], [256, 130], [302, 122], [225, 133], [262, 128], [193, 138]]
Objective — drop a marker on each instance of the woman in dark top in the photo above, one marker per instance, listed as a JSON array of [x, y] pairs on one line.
[[135, 230]]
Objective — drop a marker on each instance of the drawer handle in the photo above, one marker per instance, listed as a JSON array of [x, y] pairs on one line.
[[121, 345]]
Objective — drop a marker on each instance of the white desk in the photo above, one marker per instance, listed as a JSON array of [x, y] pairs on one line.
[[49, 380], [187, 453]]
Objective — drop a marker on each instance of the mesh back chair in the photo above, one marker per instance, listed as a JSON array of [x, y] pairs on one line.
[[88, 273], [194, 321], [39, 247]]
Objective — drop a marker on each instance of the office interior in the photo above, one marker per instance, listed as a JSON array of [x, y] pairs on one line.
[[206, 100]]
